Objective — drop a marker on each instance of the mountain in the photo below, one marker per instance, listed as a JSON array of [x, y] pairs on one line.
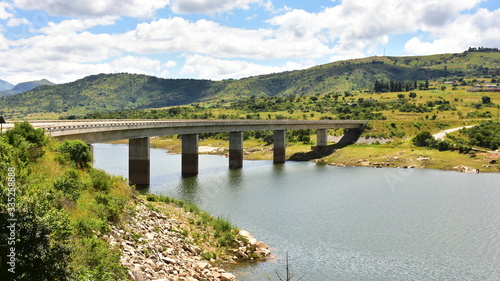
[[25, 86], [5, 86], [111, 92]]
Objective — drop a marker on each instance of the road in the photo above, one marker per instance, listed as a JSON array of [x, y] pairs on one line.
[[442, 134]]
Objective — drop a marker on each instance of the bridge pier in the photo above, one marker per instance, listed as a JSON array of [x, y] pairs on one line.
[[138, 162], [321, 140], [279, 151], [189, 154], [235, 150]]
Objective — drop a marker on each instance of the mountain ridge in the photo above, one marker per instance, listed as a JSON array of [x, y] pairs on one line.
[[123, 91], [25, 86]]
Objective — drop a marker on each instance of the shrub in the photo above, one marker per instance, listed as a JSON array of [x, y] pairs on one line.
[[25, 131], [78, 151], [100, 180], [422, 139], [69, 184]]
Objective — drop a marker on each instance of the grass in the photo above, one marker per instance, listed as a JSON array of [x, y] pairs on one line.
[[215, 235]]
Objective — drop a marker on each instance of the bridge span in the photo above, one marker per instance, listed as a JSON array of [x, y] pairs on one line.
[[138, 133]]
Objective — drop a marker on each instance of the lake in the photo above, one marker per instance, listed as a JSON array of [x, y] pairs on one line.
[[342, 223]]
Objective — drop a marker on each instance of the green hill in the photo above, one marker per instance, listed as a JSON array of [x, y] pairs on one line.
[[110, 92]]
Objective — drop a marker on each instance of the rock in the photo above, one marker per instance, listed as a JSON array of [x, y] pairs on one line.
[[263, 252], [202, 264], [245, 234], [241, 254], [137, 274], [261, 245], [465, 169], [227, 277]]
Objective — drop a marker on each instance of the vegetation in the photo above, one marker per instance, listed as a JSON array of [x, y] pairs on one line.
[[112, 92], [485, 135], [61, 207]]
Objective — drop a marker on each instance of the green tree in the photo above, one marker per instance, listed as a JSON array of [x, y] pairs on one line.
[[78, 151], [423, 138], [486, 100]]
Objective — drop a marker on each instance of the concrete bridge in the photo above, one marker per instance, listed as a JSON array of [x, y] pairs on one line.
[[139, 131]]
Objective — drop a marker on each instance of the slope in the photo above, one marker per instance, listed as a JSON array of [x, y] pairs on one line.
[[110, 92], [25, 86]]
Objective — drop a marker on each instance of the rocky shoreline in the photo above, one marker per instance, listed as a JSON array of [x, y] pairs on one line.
[[153, 248]]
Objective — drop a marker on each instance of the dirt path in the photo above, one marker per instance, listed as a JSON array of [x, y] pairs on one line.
[[442, 134]]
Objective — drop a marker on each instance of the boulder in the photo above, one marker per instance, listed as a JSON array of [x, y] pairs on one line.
[[227, 277]]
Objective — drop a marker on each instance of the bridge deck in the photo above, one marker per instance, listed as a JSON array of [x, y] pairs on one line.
[[92, 131]]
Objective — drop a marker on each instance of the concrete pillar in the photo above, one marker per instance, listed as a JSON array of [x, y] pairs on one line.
[[190, 154], [279, 146], [322, 137], [138, 162], [235, 150]]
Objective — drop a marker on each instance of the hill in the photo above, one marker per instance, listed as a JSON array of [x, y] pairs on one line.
[[5, 86], [24, 86], [111, 92]]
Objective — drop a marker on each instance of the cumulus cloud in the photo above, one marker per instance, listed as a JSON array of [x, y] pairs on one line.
[[479, 29], [75, 25], [205, 67], [357, 27], [209, 7], [17, 22], [208, 37], [351, 29], [4, 14], [131, 8]]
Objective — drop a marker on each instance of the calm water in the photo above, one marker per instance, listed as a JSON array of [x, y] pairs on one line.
[[343, 223]]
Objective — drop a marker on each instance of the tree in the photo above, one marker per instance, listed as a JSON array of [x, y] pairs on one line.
[[77, 150], [422, 139], [486, 99], [413, 95]]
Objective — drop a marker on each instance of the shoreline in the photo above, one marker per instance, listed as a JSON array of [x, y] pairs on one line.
[[167, 239], [361, 155]]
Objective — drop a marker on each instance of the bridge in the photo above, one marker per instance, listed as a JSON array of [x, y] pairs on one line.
[[138, 133]]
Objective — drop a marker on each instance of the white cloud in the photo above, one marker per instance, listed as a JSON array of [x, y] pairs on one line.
[[75, 25], [205, 67], [479, 29], [357, 27], [4, 6], [209, 7], [17, 22], [131, 8], [208, 37]]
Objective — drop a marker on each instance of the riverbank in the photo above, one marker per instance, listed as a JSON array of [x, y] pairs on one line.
[[395, 155], [165, 239]]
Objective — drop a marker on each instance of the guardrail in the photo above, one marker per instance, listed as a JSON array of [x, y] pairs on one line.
[[195, 122]]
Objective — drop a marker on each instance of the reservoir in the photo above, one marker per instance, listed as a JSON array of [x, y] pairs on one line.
[[342, 223]]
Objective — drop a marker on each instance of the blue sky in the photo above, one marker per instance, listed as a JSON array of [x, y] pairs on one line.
[[65, 40]]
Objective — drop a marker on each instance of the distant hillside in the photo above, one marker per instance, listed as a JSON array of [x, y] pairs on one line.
[[110, 92], [25, 86], [5, 86]]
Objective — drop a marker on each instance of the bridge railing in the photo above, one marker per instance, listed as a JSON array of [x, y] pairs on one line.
[[191, 122]]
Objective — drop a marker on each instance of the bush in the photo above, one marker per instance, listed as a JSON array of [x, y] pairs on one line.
[[25, 131], [69, 184], [100, 180], [78, 151], [423, 138]]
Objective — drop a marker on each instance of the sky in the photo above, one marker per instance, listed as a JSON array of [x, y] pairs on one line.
[[65, 40]]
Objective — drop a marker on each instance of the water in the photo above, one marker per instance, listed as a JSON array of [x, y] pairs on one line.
[[343, 223]]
